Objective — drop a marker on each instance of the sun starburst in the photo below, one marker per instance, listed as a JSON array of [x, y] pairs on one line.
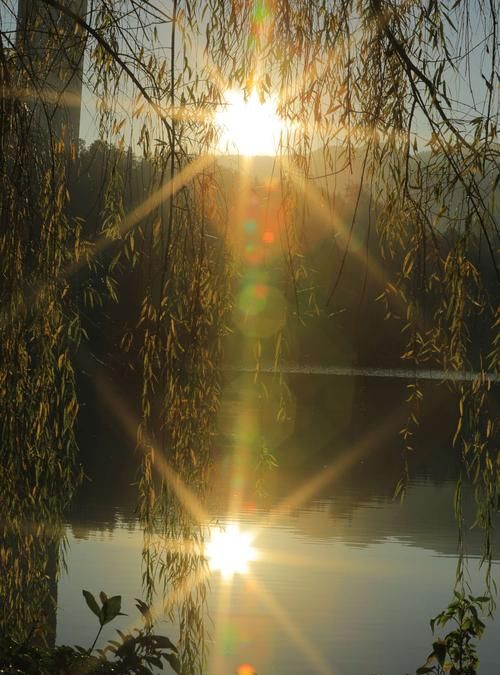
[[249, 126], [230, 551]]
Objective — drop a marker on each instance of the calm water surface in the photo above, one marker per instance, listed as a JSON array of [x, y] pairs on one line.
[[344, 579]]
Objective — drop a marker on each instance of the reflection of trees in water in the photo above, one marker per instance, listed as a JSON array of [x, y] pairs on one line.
[[352, 421], [424, 520], [39, 323], [31, 554], [175, 576]]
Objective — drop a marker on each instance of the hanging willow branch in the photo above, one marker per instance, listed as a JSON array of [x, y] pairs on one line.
[[401, 98]]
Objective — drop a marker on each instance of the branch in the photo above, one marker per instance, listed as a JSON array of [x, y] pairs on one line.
[[112, 52], [412, 68]]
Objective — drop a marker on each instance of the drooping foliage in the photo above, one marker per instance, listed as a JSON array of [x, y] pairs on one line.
[[396, 100], [403, 99]]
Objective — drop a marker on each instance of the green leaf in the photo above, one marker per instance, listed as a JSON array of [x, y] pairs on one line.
[[92, 604], [424, 669], [162, 642], [480, 626], [174, 662], [154, 661], [440, 651], [145, 611], [111, 607]]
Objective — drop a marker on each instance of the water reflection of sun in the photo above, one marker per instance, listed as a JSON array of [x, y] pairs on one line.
[[230, 551]]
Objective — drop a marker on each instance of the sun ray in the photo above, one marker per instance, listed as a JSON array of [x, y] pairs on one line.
[[222, 610], [48, 95], [126, 104], [293, 631], [310, 488], [162, 194], [33, 528], [297, 560], [173, 597], [186, 497], [181, 113], [241, 450], [183, 493], [165, 192], [323, 211], [129, 423]]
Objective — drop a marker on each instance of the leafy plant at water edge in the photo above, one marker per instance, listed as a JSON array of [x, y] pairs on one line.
[[110, 608], [135, 653], [456, 652]]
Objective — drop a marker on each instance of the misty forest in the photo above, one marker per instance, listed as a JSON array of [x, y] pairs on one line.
[[249, 337]]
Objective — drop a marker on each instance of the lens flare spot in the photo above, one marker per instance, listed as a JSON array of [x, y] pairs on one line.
[[252, 300], [229, 639], [260, 12], [238, 481], [250, 226], [260, 311], [255, 276], [255, 258], [271, 184], [230, 551], [268, 237], [246, 669], [254, 255]]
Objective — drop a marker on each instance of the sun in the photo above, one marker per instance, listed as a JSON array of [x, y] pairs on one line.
[[229, 551], [248, 126]]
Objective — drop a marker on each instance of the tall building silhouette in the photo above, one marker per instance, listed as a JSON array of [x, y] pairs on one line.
[[50, 45]]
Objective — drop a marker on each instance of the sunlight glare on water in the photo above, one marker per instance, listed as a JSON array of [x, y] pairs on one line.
[[230, 551]]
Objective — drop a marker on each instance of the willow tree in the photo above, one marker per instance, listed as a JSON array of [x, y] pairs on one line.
[[44, 250], [404, 94]]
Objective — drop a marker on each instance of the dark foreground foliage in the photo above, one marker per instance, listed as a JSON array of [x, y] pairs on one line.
[[138, 652], [456, 653]]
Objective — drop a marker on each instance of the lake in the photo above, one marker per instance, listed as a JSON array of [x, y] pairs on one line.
[[332, 574]]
